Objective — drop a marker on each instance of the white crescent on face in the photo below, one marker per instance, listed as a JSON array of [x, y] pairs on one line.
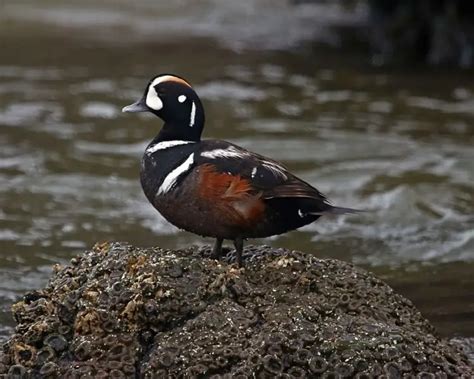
[[152, 98]]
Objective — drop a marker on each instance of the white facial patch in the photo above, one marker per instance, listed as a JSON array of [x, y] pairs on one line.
[[193, 115], [165, 145], [173, 176], [152, 99], [182, 98], [230, 152], [254, 172]]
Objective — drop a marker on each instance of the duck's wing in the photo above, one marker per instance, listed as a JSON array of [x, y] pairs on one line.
[[267, 176]]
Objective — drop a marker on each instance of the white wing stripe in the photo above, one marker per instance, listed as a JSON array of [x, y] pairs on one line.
[[165, 145], [171, 178], [275, 168], [230, 152]]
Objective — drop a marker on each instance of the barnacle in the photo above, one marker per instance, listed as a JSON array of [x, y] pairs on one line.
[[274, 349], [417, 356], [101, 374], [405, 365], [330, 375], [376, 369], [83, 350], [46, 354], [24, 354], [437, 359], [392, 370], [117, 352], [272, 364], [425, 375], [317, 365], [198, 369], [114, 365], [116, 374], [363, 375], [254, 360], [302, 356], [17, 372], [344, 369], [57, 342], [297, 372], [119, 311], [221, 362], [307, 337], [128, 370], [49, 369]]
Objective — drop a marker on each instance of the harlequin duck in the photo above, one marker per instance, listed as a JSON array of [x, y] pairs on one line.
[[215, 188]]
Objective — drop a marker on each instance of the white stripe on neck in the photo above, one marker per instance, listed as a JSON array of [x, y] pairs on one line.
[[193, 115], [165, 145], [173, 176]]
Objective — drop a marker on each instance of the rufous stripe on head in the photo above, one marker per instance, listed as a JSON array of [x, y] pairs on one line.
[[169, 78]]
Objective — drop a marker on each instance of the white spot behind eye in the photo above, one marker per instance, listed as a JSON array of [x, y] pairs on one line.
[[152, 99], [182, 98]]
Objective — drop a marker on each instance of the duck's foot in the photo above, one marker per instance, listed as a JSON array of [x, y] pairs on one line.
[[217, 249], [239, 247]]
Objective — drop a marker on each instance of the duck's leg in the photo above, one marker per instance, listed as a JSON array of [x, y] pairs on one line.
[[239, 247], [217, 249]]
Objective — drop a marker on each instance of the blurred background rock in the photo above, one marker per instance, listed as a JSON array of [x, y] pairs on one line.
[[434, 32], [372, 102]]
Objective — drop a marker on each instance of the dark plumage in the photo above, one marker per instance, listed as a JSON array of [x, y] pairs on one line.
[[215, 188]]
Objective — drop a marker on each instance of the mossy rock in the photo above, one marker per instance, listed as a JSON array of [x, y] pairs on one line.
[[121, 311]]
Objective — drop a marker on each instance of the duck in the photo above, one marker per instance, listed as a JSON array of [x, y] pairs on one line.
[[214, 188]]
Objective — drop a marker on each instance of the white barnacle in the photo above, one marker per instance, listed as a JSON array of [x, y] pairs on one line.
[[165, 145], [173, 176], [193, 115], [254, 172], [182, 98], [300, 213]]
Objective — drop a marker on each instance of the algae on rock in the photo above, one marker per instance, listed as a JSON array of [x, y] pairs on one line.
[[122, 311]]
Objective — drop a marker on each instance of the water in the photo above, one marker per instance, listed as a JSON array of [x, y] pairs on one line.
[[397, 142]]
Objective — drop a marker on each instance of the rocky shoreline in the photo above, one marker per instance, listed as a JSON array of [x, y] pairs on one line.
[[122, 311]]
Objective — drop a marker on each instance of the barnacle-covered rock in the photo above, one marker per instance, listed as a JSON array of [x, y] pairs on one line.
[[119, 311]]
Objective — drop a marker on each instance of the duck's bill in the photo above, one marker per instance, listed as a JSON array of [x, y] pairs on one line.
[[138, 106]]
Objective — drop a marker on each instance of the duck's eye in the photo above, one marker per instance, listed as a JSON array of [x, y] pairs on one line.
[[160, 91], [182, 98]]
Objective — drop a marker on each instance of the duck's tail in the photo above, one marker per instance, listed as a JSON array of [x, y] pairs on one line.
[[336, 211]]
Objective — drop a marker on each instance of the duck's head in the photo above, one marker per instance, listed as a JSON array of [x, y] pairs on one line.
[[172, 99]]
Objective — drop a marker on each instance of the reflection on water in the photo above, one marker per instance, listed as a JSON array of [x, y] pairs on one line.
[[398, 144]]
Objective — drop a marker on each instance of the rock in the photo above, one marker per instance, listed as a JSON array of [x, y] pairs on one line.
[[434, 31], [120, 311]]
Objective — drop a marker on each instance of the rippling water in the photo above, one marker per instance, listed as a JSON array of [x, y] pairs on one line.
[[397, 143]]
